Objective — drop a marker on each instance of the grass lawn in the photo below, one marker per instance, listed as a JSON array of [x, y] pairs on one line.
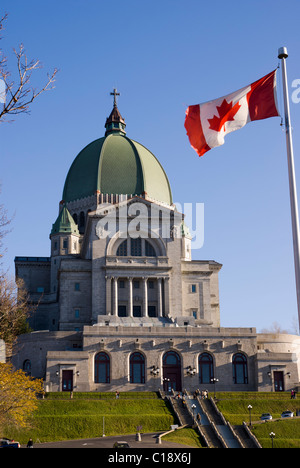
[[234, 406], [60, 418], [80, 418], [186, 436]]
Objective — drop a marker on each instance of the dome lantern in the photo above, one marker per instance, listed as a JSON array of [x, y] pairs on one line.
[[115, 122]]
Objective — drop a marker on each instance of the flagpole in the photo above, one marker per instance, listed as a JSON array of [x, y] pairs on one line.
[[282, 54]]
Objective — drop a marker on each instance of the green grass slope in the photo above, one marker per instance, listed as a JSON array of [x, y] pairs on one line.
[[80, 417], [234, 407]]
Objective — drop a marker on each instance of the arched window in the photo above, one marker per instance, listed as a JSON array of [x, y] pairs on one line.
[[171, 358], [27, 367], [136, 247], [137, 368], [102, 368], [149, 249], [206, 368], [122, 249], [240, 369], [81, 220]]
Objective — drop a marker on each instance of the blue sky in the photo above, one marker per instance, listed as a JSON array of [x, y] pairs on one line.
[[162, 56]]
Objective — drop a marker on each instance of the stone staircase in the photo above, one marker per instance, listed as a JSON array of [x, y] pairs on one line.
[[204, 415], [211, 424], [247, 440]]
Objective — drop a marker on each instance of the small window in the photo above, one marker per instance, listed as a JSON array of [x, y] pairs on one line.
[[151, 311], [27, 367], [77, 286], [195, 314], [77, 313], [151, 284], [121, 284], [65, 243], [193, 288], [136, 284], [40, 289], [122, 311]]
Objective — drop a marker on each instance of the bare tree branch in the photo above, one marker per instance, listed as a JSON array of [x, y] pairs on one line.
[[20, 94]]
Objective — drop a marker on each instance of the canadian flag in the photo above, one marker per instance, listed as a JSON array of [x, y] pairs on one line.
[[208, 123]]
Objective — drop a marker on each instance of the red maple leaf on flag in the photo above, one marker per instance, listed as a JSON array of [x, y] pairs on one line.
[[226, 113]]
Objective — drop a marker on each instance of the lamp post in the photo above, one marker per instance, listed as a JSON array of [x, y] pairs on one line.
[[272, 435], [193, 408], [249, 409], [191, 371], [154, 371], [166, 384], [103, 423], [214, 381]]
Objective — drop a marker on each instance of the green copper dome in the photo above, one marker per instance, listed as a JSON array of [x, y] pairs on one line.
[[65, 223], [115, 164]]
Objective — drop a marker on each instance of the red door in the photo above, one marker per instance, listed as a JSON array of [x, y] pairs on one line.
[[67, 380], [172, 371], [278, 381]]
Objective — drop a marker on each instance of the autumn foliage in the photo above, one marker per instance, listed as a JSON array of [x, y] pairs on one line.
[[18, 396]]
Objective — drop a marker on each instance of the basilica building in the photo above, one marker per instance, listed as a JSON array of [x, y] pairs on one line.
[[120, 304]]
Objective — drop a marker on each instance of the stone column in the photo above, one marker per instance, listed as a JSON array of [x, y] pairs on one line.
[[145, 297], [167, 295], [130, 298], [108, 295], [115, 296], [159, 297]]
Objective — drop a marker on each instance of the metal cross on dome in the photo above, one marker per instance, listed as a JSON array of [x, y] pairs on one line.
[[115, 94]]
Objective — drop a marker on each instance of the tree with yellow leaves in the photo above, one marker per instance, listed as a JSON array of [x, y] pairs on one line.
[[18, 396]]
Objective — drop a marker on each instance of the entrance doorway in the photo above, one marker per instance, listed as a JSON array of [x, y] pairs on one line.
[[172, 371], [278, 381], [67, 380]]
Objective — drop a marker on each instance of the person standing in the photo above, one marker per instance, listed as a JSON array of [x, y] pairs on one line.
[[30, 443]]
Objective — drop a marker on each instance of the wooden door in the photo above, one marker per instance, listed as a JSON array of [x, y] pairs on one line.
[[67, 380], [278, 381]]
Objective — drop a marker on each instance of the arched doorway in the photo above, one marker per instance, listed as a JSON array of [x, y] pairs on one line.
[[172, 371]]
